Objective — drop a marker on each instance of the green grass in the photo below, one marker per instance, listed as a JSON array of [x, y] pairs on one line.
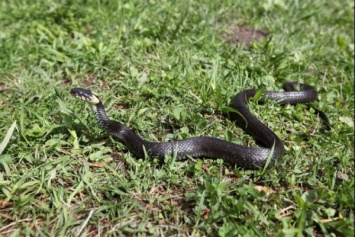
[[164, 69]]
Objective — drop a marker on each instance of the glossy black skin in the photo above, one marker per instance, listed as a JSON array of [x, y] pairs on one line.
[[209, 147]]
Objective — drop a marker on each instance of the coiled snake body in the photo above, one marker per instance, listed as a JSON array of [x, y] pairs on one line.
[[209, 147]]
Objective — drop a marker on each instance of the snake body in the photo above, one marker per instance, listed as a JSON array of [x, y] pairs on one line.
[[210, 147]]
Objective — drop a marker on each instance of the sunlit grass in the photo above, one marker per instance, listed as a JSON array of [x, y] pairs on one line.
[[166, 70]]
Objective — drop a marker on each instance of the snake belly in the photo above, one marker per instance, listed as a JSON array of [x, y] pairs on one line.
[[210, 147]]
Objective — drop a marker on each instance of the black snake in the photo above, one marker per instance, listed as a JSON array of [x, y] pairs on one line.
[[210, 147]]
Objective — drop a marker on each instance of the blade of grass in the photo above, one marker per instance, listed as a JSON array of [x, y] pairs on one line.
[[7, 137]]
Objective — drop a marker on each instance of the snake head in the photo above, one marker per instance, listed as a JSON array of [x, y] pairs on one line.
[[86, 95]]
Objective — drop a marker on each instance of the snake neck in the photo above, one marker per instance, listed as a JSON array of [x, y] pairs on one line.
[[111, 126], [126, 135], [101, 116]]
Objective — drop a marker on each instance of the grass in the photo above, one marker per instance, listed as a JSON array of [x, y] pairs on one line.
[[166, 70]]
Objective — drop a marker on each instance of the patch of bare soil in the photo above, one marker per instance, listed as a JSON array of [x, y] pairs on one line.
[[244, 35]]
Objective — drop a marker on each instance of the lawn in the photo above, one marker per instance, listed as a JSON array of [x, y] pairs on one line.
[[168, 69]]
